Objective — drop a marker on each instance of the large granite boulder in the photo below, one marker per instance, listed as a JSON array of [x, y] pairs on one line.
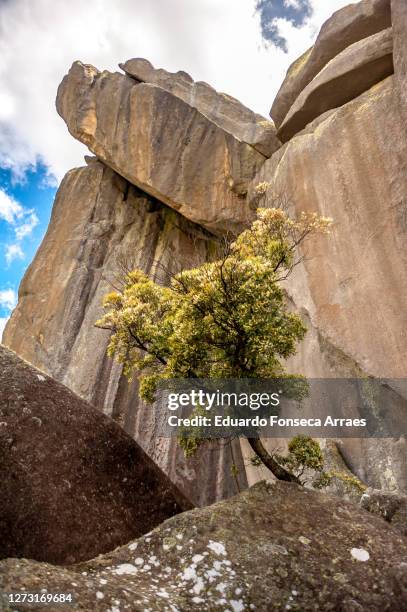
[[73, 484], [274, 547], [346, 26], [350, 164], [100, 225], [349, 74], [161, 144], [224, 110]]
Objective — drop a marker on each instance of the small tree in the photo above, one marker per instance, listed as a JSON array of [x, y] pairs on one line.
[[228, 318]]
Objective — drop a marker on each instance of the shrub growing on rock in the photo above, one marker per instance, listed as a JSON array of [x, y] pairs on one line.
[[227, 318]]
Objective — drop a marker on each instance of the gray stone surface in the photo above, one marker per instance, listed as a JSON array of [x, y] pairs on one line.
[[390, 506], [271, 547], [73, 484]]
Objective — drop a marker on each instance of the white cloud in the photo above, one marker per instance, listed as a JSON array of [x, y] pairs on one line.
[[3, 321], [13, 251], [8, 299], [10, 209], [27, 227], [21, 219], [217, 41]]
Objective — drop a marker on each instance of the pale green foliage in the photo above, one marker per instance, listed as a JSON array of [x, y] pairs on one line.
[[350, 481], [303, 452], [305, 457], [227, 318]]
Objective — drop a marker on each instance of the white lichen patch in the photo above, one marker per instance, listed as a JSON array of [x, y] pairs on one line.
[[360, 554], [133, 546], [217, 547], [154, 561], [41, 378], [125, 568], [99, 595]]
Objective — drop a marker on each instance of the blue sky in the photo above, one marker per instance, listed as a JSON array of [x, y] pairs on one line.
[[25, 208], [241, 47]]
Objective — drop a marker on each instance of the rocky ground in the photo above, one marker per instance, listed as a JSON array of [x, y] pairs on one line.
[[273, 547]]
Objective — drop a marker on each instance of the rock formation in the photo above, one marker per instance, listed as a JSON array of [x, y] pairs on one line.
[[349, 74], [99, 223], [73, 483], [223, 110], [261, 550], [164, 142], [350, 24]]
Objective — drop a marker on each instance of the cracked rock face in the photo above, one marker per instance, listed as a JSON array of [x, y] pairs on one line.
[[350, 164], [161, 144], [73, 483], [399, 19], [212, 559]]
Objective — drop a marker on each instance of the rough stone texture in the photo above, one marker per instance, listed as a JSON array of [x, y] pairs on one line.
[[271, 547], [224, 110], [349, 74], [98, 222], [399, 20], [161, 144], [390, 506], [73, 483], [347, 26], [350, 164]]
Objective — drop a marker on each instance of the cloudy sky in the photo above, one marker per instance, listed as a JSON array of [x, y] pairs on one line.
[[242, 47]]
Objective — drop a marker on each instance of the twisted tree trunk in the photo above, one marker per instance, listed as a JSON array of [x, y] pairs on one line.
[[275, 468]]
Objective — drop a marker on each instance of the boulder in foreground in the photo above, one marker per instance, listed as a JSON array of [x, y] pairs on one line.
[[273, 547], [73, 483]]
